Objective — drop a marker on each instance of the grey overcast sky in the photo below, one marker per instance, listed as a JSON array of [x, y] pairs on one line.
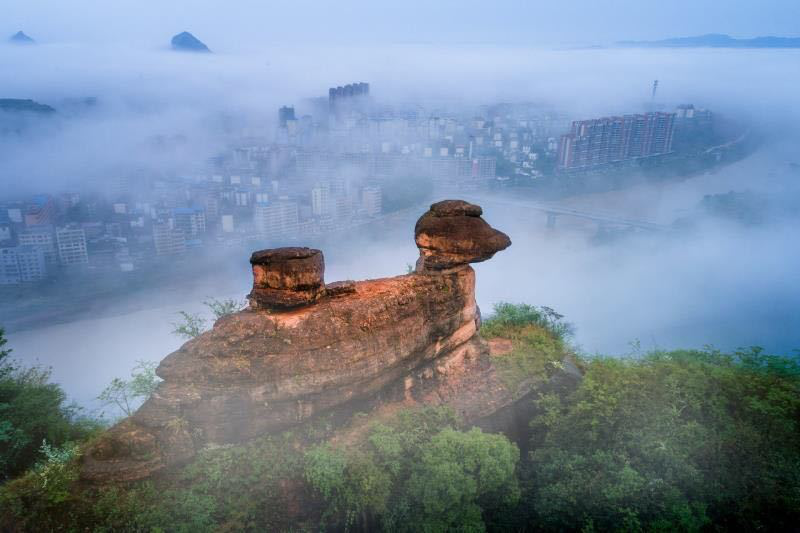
[[239, 24]]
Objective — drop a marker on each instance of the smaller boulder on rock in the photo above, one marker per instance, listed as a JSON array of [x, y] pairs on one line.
[[340, 288], [286, 277]]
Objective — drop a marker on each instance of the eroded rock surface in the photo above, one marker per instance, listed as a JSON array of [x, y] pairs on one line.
[[453, 233], [304, 348], [286, 277]]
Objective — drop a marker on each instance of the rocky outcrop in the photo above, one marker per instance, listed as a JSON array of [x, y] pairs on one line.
[[304, 348], [453, 233]]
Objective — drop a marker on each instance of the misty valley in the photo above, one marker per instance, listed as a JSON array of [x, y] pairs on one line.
[[326, 280]]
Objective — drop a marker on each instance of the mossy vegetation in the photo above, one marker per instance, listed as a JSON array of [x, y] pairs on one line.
[[539, 338], [34, 416]]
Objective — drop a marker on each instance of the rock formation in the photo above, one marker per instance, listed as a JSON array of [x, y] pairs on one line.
[[304, 348], [452, 234], [286, 278], [186, 42]]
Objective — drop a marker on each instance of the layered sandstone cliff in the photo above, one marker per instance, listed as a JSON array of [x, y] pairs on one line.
[[304, 348]]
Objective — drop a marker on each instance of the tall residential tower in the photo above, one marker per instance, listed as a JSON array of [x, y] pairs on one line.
[[611, 139]]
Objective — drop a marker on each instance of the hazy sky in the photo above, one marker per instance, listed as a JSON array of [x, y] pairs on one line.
[[243, 23]]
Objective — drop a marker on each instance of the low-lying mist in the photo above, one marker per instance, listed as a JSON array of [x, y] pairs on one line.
[[720, 283], [144, 91]]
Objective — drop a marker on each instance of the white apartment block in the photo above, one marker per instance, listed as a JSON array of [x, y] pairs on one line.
[[42, 238], [168, 240], [190, 220], [280, 218], [371, 200], [71, 242], [21, 264]]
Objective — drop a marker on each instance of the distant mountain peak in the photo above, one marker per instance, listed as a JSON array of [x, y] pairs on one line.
[[717, 40], [186, 42], [21, 38]]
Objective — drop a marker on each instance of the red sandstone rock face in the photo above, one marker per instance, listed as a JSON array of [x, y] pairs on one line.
[[303, 349]]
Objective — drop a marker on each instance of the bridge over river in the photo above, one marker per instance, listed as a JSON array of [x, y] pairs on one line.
[[554, 210]]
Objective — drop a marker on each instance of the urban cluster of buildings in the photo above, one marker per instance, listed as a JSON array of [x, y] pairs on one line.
[[328, 169], [461, 150], [32, 247], [144, 219]]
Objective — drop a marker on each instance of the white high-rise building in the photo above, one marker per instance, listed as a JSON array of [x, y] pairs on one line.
[[227, 224], [9, 270], [341, 207], [21, 264], [41, 237], [5, 233], [321, 200], [168, 240], [279, 218], [190, 220], [71, 241], [371, 201]]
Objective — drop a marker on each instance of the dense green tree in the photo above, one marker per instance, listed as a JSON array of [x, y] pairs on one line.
[[33, 410], [459, 477], [416, 474], [671, 441]]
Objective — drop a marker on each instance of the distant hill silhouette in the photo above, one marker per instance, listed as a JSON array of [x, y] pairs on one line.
[[717, 40], [20, 117], [21, 38], [19, 105], [186, 42]]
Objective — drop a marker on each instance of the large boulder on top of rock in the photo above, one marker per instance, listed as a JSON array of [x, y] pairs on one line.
[[286, 277], [452, 233]]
